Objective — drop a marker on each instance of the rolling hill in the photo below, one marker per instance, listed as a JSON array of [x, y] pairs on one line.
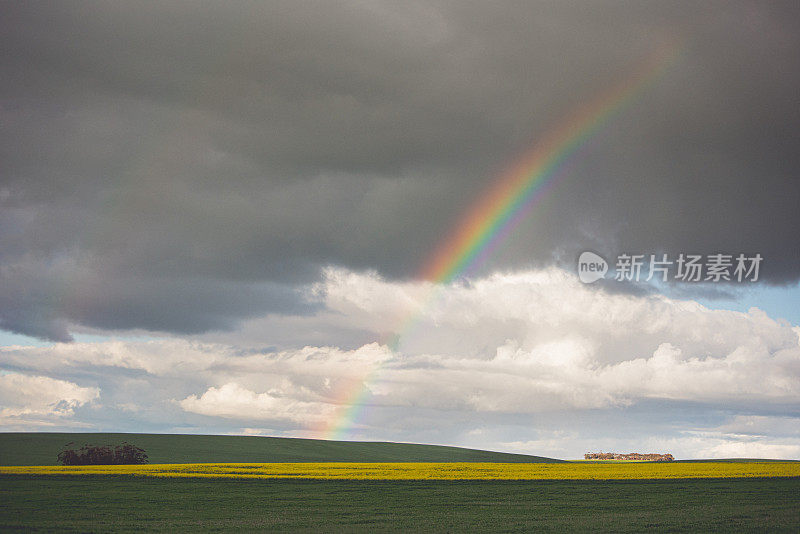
[[41, 448]]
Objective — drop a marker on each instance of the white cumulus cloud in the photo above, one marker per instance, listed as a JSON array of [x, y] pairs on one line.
[[232, 401], [38, 400], [492, 354]]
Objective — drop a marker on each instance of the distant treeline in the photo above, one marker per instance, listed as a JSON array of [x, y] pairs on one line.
[[650, 457], [102, 455]]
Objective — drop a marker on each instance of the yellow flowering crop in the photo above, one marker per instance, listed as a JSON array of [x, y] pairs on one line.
[[433, 471]]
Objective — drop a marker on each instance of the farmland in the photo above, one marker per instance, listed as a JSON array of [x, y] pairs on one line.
[[41, 448], [204, 483], [125, 503], [431, 471]]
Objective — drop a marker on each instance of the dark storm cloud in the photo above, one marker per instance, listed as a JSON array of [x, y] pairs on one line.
[[181, 166]]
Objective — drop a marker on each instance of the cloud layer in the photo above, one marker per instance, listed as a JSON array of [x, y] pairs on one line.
[[531, 361], [185, 166]]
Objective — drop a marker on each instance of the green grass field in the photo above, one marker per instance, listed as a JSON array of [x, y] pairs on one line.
[[124, 503], [41, 448]]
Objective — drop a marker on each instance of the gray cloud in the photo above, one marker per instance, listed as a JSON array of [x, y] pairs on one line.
[[182, 166]]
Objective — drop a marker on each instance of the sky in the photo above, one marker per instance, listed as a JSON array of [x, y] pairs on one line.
[[227, 218]]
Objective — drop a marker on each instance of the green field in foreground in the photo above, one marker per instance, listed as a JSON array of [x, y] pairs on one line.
[[125, 503], [41, 448]]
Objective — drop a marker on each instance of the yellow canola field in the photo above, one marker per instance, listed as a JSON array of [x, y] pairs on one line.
[[432, 471]]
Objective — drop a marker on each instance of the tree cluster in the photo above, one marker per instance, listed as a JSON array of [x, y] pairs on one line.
[[124, 453]]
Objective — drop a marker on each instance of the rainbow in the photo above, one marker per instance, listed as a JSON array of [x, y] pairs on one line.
[[507, 201], [352, 403], [503, 206]]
